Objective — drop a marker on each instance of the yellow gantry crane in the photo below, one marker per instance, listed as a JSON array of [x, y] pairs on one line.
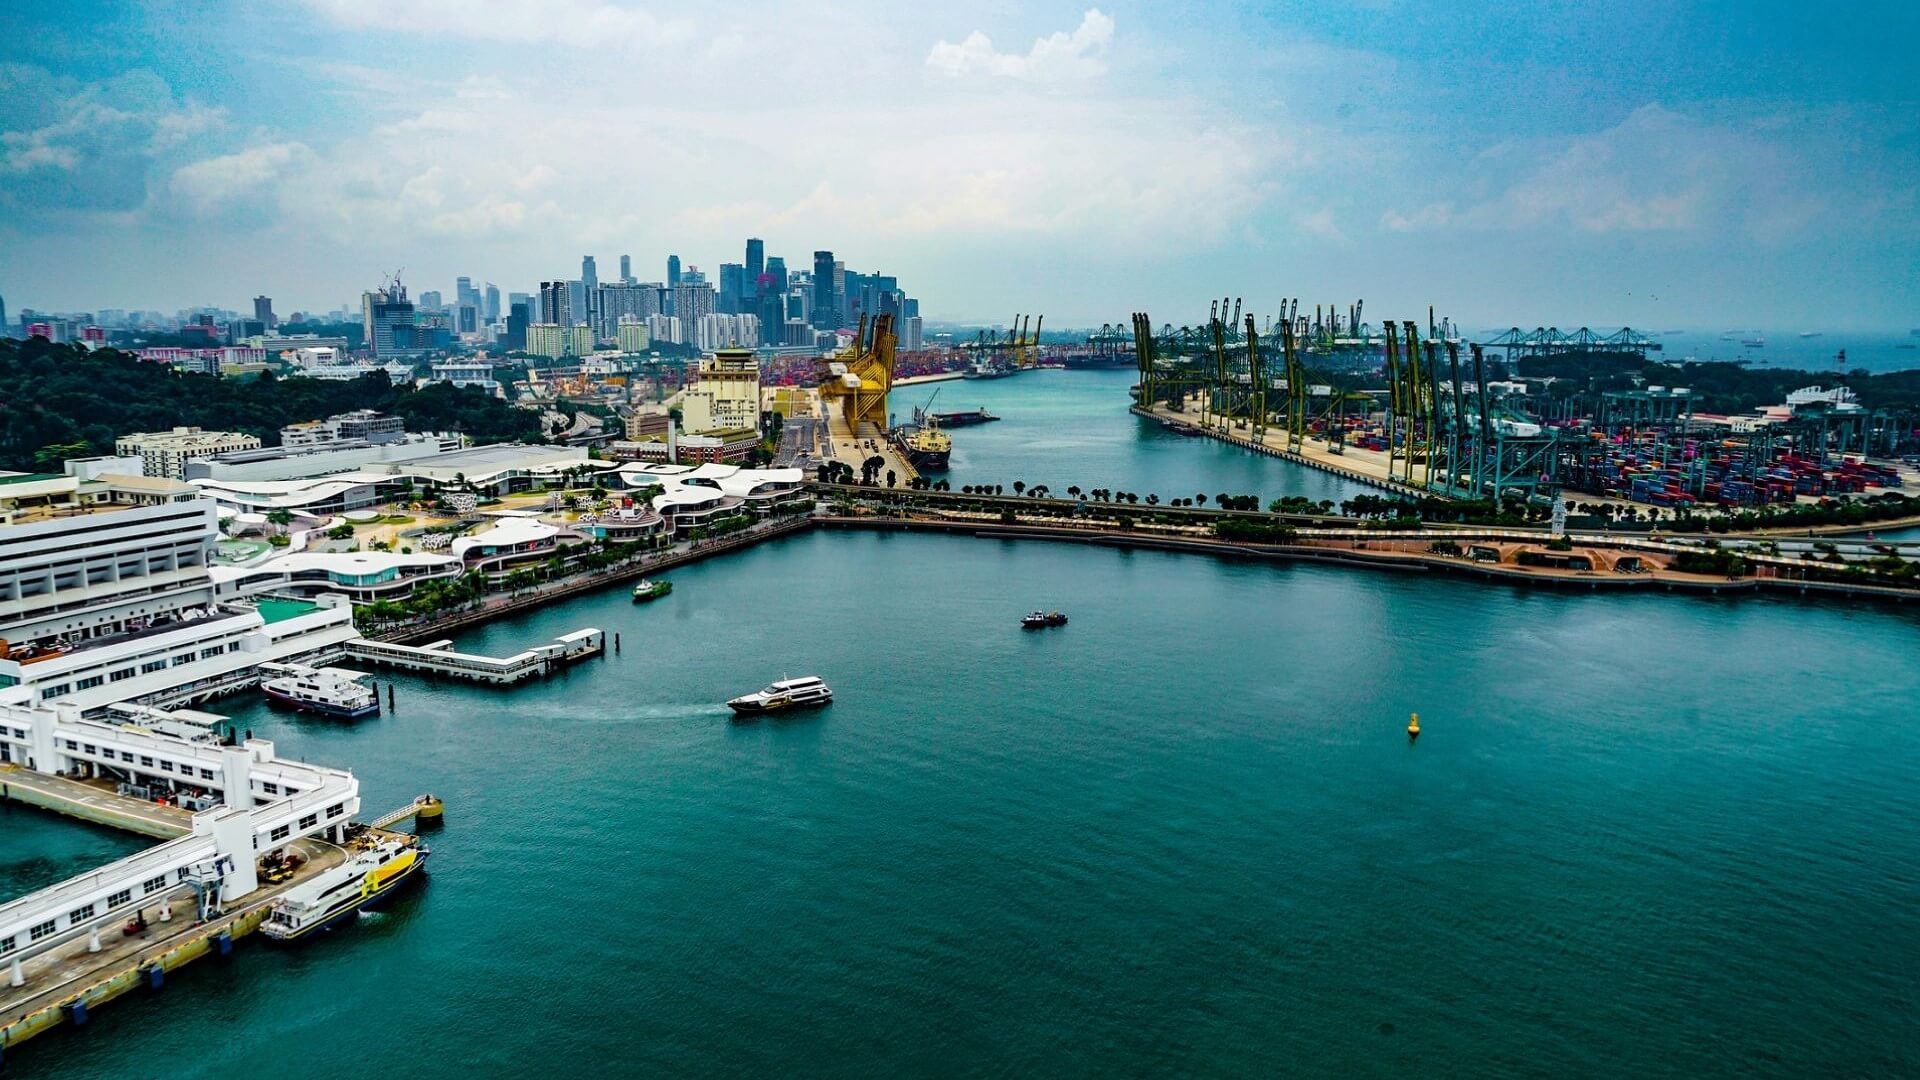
[[858, 381]]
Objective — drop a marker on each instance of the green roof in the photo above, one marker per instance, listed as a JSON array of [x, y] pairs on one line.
[[28, 477], [274, 609]]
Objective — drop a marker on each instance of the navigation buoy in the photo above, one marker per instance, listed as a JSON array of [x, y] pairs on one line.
[[1413, 728]]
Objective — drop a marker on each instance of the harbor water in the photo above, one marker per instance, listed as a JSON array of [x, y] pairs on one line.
[[1072, 428], [1183, 835]]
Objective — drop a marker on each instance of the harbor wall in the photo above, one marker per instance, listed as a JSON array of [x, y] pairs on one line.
[[106, 988]]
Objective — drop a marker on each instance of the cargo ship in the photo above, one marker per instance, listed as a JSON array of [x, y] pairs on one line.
[[987, 369], [925, 446]]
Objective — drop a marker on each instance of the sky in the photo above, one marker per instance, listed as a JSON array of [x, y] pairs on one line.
[[1702, 165]]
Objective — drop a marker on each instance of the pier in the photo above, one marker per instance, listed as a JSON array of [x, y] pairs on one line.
[[440, 658]]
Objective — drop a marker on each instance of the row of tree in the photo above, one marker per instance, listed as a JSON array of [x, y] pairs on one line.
[[61, 401]]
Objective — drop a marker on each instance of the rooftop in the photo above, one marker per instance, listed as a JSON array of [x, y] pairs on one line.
[[276, 609], [28, 477]]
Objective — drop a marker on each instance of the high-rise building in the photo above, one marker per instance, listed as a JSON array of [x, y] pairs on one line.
[[673, 281], [387, 319], [727, 332], [517, 319], [726, 396], [430, 301], [631, 334], [733, 278], [556, 303], [262, 311], [619, 300], [756, 265], [691, 300], [825, 311], [577, 299], [589, 292], [665, 328], [626, 269], [492, 305]]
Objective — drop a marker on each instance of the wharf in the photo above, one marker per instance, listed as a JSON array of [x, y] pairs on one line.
[[93, 801], [64, 984], [1356, 465]]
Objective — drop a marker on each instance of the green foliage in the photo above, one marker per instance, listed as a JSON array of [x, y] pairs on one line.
[[340, 532], [1253, 530], [60, 401]]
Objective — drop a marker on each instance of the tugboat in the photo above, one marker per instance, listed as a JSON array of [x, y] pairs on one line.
[[320, 690], [1040, 620], [363, 881], [651, 590], [803, 693]]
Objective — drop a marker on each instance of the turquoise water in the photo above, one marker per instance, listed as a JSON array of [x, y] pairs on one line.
[[1184, 835], [1063, 428]]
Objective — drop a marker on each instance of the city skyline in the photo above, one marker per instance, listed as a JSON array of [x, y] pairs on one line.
[[1626, 167]]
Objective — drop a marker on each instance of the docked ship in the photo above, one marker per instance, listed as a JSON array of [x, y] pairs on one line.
[[923, 444], [987, 369], [326, 691], [803, 693], [651, 590], [364, 881], [964, 418]]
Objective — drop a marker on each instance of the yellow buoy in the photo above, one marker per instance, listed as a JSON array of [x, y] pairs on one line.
[[429, 806], [1413, 727]]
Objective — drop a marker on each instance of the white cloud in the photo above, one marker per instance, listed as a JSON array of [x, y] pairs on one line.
[[208, 186], [1061, 55], [584, 24]]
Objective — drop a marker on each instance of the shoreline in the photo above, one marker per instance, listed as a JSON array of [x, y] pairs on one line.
[[1305, 551]]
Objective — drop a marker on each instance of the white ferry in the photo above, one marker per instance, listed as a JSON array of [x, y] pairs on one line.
[[363, 881], [327, 691], [803, 693]]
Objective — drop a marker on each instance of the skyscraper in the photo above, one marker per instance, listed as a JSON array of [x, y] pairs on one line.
[[589, 292], [673, 282], [626, 269], [756, 265], [387, 319], [492, 307], [826, 313], [516, 326], [733, 288], [556, 303], [262, 311]]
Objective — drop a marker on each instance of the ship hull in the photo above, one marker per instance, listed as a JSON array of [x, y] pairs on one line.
[[350, 908], [321, 708]]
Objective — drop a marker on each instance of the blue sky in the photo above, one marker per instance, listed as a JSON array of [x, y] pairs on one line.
[[1700, 165]]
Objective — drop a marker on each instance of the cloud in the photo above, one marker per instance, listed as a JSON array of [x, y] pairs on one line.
[[583, 24], [213, 184], [68, 146], [1060, 55], [1657, 172]]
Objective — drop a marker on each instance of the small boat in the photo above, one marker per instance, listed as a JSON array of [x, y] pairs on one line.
[[364, 881], [320, 690], [1042, 619], [803, 693], [651, 590]]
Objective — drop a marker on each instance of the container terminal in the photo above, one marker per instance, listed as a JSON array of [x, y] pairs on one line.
[[1421, 411]]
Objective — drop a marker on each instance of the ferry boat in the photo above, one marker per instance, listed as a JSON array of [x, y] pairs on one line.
[[1041, 619], [651, 590], [364, 881], [320, 690], [802, 693]]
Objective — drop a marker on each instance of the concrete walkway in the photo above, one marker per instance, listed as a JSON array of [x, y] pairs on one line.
[[95, 802]]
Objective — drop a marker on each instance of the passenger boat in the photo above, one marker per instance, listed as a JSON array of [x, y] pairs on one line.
[[651, 590], [1041, 619], [364, 881], [320, 690], [803, 693]]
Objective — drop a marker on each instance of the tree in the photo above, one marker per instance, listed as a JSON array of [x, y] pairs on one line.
[[280, 518], [1019, 486]]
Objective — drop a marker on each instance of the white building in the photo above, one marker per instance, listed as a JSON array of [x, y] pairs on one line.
[[727, 396], [166, 453], [631, 332], [665, 328], [727, 332], [463, 373]]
